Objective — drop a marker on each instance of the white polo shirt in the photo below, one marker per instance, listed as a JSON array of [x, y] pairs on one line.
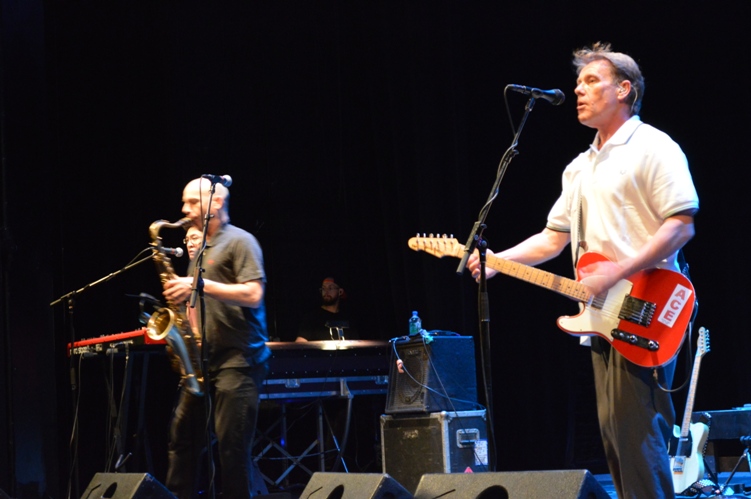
[[625, 190]]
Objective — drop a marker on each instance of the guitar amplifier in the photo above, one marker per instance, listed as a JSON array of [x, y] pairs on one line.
[[442, 442], [432, 373]]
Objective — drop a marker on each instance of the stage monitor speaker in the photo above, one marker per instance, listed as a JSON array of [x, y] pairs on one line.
[[126, 486], [562, 484], [440, 375], [353, 486]]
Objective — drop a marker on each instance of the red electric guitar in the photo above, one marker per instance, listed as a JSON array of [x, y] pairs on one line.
[[644, 317]]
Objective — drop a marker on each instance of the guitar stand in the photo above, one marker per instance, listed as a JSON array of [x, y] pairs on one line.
[[711, 472], [746, 441]]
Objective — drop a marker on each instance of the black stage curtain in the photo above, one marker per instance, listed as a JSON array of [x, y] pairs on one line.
[[347, 127]]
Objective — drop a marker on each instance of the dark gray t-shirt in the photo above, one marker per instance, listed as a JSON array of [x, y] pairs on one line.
[[236, 336]]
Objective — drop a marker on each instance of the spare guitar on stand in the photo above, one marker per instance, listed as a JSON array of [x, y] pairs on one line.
[[687, 445]]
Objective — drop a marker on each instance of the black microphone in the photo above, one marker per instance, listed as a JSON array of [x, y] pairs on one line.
[[555, 96], [225, 180], [176, 252]]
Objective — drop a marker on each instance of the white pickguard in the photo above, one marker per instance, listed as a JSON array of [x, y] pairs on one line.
[[599, 320]]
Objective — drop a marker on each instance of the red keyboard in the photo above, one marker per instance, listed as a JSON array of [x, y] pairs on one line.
[[104, 343]]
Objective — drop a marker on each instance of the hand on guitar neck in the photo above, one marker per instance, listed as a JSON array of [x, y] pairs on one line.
[[599, 276], [534, 250]]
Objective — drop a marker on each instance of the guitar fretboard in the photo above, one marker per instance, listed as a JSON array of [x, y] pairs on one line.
[[567, 287], [443, 246], [701, 350]]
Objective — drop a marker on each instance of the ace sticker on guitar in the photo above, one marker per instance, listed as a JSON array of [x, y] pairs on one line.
[[675, 305]]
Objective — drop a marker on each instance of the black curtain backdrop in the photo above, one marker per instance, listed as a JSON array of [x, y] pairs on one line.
[[347, 126]]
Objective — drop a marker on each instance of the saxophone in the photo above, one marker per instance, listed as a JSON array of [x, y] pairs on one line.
[[170, 323]]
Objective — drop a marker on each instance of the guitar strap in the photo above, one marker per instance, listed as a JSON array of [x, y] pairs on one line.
[[683, 266], [580, 243]]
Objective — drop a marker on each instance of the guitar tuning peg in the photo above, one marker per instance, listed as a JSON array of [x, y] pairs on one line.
[[431, 235], [451, 236]]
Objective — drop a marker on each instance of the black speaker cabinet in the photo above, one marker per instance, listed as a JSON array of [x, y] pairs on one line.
[[440, 442], [439, 375], [126, 486], [353, 486], [563, 484]]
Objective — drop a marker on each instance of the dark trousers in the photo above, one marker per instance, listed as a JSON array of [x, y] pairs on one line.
[[234, 397], [636, 421]]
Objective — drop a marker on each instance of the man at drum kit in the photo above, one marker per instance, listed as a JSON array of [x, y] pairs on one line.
[[630, 197], [235, 346]]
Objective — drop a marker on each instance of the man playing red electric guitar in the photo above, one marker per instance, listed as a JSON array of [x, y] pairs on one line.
[[629, 197]]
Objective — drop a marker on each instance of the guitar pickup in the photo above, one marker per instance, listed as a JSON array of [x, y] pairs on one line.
[[635, 339], [637, 311]]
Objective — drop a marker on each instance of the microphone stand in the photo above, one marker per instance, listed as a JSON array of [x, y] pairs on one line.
[[70, 298], [197, 295], [71, 295], [476, 240]]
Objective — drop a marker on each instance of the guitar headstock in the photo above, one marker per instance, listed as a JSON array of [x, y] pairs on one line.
[[702, 344], [439, 246]]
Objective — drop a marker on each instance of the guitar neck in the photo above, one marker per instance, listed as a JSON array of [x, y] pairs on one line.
[[444, 246], [567, 287], [686, 425]]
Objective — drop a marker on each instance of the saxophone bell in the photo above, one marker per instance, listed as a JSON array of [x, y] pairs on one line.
[[163, 325]]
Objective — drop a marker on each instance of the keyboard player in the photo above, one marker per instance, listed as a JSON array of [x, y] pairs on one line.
[[331, 320]]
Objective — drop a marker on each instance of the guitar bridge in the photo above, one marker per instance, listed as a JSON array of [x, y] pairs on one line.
[[635, 339], [637, 311]]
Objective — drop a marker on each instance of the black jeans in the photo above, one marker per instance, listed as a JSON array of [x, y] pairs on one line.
[[235, 413]]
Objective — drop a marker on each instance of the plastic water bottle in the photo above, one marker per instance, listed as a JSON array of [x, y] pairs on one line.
[[415, 324]]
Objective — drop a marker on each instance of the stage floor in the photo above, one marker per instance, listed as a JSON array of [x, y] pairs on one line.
[[737, 484]]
